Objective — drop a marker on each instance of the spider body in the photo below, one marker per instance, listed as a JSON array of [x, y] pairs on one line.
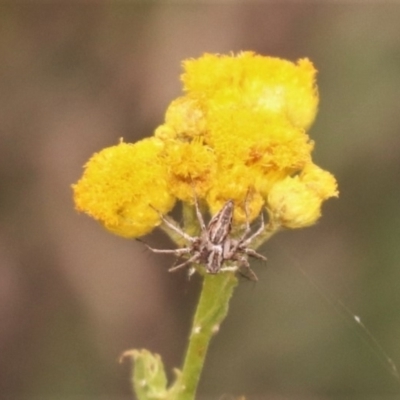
[[214, 247]]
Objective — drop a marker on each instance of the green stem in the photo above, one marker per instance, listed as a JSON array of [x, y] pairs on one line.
[[149, 378], [211, 311]]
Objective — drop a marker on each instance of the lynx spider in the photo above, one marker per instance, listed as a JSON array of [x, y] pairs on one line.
[[214, 246]]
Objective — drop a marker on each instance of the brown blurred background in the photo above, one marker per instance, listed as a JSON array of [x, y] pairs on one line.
[[74, 79]]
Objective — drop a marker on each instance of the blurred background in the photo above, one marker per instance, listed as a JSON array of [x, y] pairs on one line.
[[76, 78]]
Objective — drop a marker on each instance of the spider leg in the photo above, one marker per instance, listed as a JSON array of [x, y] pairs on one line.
[[246, 242], [249, 274], [186, 263], [198, 213], [178, 252], [246, 212], [253, 253], [174, 226], [238, 243]]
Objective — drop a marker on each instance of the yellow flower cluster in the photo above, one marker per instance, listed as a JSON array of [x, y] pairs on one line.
[[122, 184], [238, 133]]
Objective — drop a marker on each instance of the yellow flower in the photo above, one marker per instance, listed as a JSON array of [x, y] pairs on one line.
[[238, 133], [236, 183], [269, 144], [295, 202], [184, 120], [121, 184], [266, 84], [322, 182], [191, 169], [251, 111]]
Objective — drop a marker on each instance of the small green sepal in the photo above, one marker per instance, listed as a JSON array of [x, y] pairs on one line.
[[149, 378]]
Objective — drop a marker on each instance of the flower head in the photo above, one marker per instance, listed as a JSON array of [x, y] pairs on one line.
[[238, 133], [184, 120], [295, 202], [265, 84], [191, 166], [123, 185]]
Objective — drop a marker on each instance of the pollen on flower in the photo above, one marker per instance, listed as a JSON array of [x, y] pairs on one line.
[[237, 184], [191, 167], [121, 185], [266, 84], [268, 143]]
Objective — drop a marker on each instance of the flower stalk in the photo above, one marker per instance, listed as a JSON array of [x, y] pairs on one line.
[[211, 311]]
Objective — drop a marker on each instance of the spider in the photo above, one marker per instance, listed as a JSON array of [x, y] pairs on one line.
[[215, 247]]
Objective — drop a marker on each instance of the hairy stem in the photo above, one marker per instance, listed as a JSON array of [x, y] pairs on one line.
[[211, 311]]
